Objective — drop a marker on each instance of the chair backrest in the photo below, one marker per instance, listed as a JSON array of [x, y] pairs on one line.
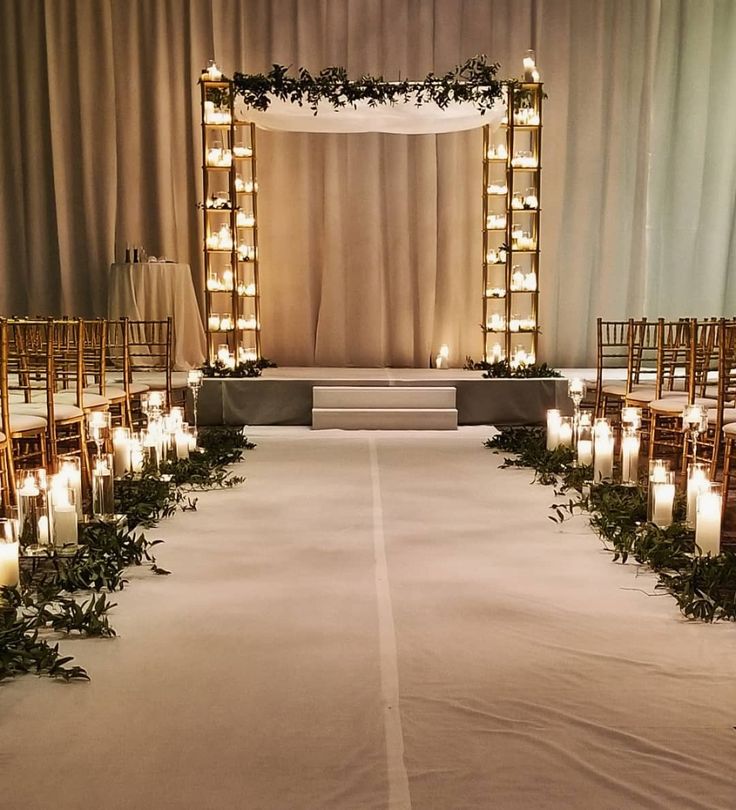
[[643, 350], [94, 354], [726, 369], [706, 357], [676, 356], [150, 349]]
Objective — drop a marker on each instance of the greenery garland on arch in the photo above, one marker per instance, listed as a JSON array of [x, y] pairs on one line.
[[474, 82]]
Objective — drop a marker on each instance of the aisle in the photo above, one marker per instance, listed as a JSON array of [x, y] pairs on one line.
[[531, 672]]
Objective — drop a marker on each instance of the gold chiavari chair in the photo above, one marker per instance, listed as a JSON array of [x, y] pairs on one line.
[[150, 357], [29, 364], [118, 371], [722, 418], [612, 354], [700, 362], [94, 342], [27, 434]]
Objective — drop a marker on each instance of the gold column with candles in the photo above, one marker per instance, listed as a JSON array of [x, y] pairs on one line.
[[512, 172], [230, 220]]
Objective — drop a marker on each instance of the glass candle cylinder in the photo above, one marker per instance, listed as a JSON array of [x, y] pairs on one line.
[[103, 493], [181, 440], [71, 467], [136, 456], [576, 389], [151, 442], [63, 511], [697, 481], [603, 442], [9, 552], [659, 469], [585, 442], [663, 498], [194, 378], [553, 429], [708, 520], [630, 456], [565, 431], [121, 451], [98, 426], [34, 528]]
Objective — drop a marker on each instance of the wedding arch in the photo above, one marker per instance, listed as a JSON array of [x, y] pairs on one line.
[[467, 97]]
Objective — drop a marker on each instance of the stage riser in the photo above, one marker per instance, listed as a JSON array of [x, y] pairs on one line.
[[383, 396], [265, 401], [384, 419]]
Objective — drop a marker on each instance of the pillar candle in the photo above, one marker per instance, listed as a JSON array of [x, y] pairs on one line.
[[9, 573], [630, 459], [565, 435], [708, 523], [73, 475], [697, 482], [63, 514], [663, 501], [585, 452], [182, 445], [121, 451], [553, 429]]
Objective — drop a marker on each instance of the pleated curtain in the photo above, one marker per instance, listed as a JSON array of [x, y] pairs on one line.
[[371, 244]]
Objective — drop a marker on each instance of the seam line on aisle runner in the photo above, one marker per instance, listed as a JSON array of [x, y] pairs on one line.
[[398, 781]]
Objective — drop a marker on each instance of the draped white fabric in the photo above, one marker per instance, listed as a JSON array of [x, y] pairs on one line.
[[371, 243], [400, 118]]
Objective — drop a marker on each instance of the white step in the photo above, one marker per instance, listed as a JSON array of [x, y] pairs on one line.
[[384, 418], [382, 396]]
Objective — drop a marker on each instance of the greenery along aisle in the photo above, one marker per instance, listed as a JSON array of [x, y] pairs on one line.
[[704, 586], [60, 594]]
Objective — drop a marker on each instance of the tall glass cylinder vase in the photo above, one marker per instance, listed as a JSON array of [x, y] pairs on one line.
[[697, 482], [663, 499], [103, 492], [708, 520], [121, 449], [585, 441], [63, 512], [34, 526], [659, 471], [630, 456], [603, 443], [71, 467], [9, 553]]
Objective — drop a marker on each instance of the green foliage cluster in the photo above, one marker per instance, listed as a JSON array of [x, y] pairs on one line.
[[250, 368], [62, 594], [703, 586], [474, 81], [502, 369]]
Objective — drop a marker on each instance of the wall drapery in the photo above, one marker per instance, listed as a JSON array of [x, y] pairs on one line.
[[370, 244]]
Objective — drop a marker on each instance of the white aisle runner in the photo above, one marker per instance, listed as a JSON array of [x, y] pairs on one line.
[[263, 674]]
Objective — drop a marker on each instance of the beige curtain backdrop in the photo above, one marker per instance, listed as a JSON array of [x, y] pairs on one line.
[[371, 243]]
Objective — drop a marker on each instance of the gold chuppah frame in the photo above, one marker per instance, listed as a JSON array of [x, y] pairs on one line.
[[511, 186]]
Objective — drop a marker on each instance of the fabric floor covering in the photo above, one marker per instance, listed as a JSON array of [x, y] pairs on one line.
[[381, 620]]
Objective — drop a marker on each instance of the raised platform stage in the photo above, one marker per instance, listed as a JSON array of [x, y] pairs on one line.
[[284, 396]]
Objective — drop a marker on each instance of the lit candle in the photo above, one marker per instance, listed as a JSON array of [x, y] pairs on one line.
[[43, 531], [9, 569], [630, 457], [708, 522], [631, 417], [72, 471], [121, 451], [155, 400], [565, 432], [182, 445], [585, 452], [603, 455], [213, 323], [194, 377], [63, 512], [136, 456], [697, 482], [553, 429], [663, 499], [496, 353]]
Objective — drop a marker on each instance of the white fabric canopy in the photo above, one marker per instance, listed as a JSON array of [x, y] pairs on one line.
[[401, 118]]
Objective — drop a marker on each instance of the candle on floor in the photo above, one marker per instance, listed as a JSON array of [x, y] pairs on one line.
[[136, 456], [585, 452], [630, 457], [553, 429], [63, 512], [565, 432], [182, 444], [9, 551], [708, 520], [631, 417], [697, 482], [103, 497], [71, 468], [663, 499], [121, 451], [603, 445]]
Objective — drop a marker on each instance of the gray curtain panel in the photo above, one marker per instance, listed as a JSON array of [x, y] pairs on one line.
[[371, 248]]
